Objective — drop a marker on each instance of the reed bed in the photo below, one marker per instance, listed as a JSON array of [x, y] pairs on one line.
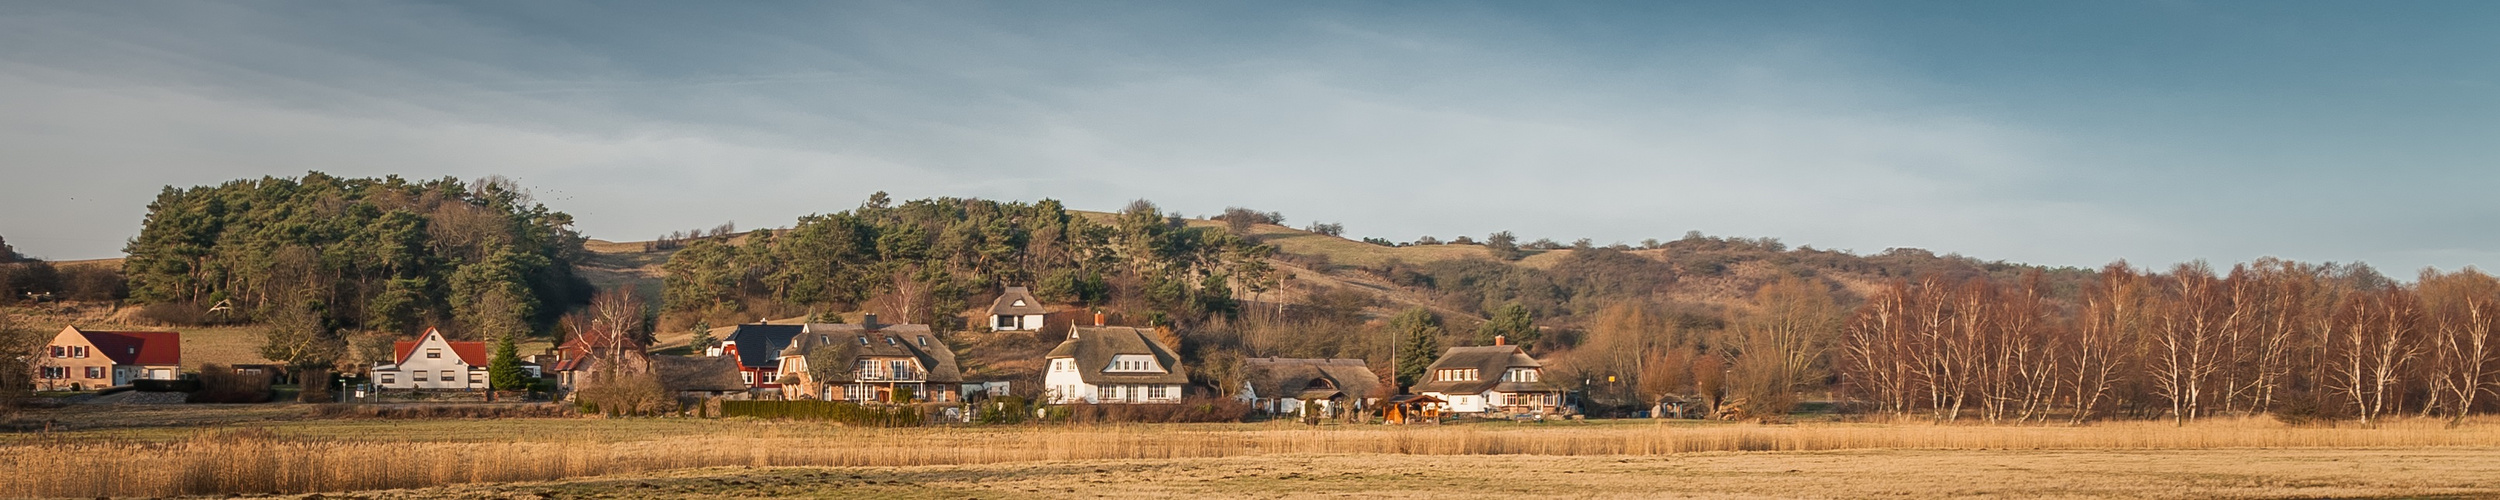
[[262, 461]]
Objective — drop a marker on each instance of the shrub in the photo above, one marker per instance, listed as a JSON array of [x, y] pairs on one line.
[[833, 411]]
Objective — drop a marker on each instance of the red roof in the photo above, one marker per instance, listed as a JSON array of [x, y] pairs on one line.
[[471, 352], [138, 348]]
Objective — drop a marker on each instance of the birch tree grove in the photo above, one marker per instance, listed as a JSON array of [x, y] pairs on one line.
[[2268, 337]]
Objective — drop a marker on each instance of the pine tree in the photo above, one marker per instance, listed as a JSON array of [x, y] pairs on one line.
[[1418, 343], [504, 372], [1513, 322], [702, 336]]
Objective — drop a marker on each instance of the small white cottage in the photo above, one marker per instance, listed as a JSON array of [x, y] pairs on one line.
[[433, 362], [1016, 310]]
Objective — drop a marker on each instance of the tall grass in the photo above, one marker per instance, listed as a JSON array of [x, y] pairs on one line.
[[262, 461]]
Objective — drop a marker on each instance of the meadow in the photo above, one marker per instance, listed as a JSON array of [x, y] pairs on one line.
[[262, 451]]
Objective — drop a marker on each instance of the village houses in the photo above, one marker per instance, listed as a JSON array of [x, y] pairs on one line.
[[1494, 379], [88, 360], [1112, 364]]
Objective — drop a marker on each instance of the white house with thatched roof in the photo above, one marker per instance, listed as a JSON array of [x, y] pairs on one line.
[[1498, 378], [1112, 364], [1016, 310]]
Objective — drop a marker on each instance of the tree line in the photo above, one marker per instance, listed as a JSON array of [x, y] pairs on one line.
[[2295, 340], [925, 260], [320, 255]]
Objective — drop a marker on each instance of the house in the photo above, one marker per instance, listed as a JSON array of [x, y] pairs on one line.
[[757, 347], [1494, 379], [882, 363], [1280, 386], [1112, 364], [1017, 310], [79, 360], [433, 362], [578, 356]]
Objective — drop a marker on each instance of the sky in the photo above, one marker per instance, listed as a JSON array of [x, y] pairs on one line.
[[2055, 133]]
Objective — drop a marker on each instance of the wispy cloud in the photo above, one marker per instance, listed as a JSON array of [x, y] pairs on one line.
[[1456, 121]]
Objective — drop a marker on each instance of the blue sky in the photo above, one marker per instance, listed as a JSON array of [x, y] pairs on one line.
[[2061, 134]]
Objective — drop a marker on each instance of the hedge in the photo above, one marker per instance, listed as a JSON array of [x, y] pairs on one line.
[[836, 411]]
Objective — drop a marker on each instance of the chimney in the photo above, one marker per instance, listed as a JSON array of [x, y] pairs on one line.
[[1097, 318], [1498, 340], [868, 321]]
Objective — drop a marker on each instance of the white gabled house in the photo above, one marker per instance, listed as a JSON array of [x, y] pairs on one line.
[[433, 362], [1017, 310], [1112, 364]]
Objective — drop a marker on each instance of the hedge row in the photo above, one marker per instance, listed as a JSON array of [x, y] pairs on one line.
[[836, 411]]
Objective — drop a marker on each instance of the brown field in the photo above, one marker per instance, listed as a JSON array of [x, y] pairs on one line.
[[265, 449], [2235, 473]]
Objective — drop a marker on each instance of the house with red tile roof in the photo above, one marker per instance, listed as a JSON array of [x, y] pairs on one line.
[[87, 360], [433, 362]]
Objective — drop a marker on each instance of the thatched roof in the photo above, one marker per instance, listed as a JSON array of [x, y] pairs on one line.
[[1016, 301], [855, 341], [697, 373], [1490, 362], [1302, 378], [1093, 346]]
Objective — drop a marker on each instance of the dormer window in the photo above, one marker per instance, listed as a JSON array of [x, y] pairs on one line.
[[863, 340], [824, 339], [890, 341], [1133, 363], [1520, 375], [1019, 303], [1455, 375], [924, 341]]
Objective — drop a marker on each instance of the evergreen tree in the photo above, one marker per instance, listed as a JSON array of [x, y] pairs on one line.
[[504, 371], [1512, 322], [702, 336], [1418, 344]]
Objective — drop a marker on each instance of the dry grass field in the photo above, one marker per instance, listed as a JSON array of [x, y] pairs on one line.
[[261, 450], [2233, 473]]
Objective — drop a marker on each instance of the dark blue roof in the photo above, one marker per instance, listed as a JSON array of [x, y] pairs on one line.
[[759, 346]]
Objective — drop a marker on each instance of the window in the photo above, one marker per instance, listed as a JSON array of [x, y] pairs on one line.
[[78, 351], [899, 368], [857, 392], [824, 339], [889, 340], [433, 353], [95, 372], [1456, 374], [746, 377], [863, 340], [55, 372], [476, 378], [1520, 375], [924, 341], [1019, 303], [447, 377], [388, 378], [60, 352], [1158, 392]]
